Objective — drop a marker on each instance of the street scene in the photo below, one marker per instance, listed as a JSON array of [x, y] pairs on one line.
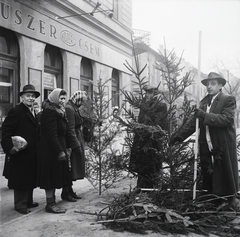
[[119, 118]]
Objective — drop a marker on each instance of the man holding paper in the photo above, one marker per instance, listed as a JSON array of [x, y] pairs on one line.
[[19, 142]]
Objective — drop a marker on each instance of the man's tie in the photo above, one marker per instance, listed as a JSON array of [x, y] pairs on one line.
[[32, 111], [209, 100]]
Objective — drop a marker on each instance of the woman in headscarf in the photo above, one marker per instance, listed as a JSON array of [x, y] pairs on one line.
[[53, 167], [76, 115]]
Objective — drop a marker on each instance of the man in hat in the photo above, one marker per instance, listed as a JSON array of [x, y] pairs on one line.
[[217, 140], [145, 159], [20, 163]]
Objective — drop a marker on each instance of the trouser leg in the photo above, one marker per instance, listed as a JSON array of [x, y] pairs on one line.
[[144, 181], [206, 166], [21, 197], [206, 175], [65, 190], [30, 196]]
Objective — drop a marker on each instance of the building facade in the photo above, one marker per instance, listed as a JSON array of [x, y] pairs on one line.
[[148, 57], [68, 44]]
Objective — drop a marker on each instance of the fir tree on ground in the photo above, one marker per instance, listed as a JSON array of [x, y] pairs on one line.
[[104, 164]]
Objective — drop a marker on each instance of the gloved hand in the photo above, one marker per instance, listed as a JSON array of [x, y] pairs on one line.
[[62, 156], [174, 140], [69, 152], [199, 113]]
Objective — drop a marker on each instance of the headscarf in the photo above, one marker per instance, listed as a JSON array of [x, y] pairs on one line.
[[77, 97], [85, 109], [54, 96], [53, 103]]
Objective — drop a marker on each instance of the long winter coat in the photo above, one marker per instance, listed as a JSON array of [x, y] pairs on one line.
[[75, 140], [220, 120], [20, 168], [52, 173]]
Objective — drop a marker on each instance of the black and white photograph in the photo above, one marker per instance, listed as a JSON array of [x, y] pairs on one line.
[[120, 118]]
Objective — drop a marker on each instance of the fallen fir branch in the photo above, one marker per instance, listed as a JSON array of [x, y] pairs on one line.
[[90, 213], [212, 212], [139, 212], [105, 203], [99, 215], [130, 218]]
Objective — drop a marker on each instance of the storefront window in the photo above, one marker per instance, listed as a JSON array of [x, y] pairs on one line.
[[9, 75], [53, 73], [86, 77], [115, 88], [4, 48], [6, 100]]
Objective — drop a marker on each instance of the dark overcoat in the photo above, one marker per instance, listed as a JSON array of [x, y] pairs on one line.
[[220, 121], [20, 168], [75, 140], [52, 173]]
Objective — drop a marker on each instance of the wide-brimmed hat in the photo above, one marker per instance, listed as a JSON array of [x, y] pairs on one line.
[[29, 89], [214, 76]]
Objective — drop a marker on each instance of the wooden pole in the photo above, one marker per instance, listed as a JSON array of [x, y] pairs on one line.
[[197, 120]]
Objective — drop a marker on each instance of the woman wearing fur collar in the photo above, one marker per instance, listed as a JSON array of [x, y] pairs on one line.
[[53, 167]]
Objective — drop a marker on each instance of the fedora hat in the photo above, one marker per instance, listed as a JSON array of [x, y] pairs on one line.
[[29, 89], [214, 76], [150, 88]]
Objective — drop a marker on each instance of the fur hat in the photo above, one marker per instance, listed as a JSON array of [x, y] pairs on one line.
[[29, 89], [214, 76]]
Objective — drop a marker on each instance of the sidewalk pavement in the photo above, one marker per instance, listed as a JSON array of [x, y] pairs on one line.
[[7, 212]]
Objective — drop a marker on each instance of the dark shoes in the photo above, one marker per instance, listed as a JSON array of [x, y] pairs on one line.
[[67, 197], [32, 205], [54, 209], [75, 196], [24, 211]]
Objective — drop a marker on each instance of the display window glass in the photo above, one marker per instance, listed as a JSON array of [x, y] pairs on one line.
[[86, 77], [53, 73], [115, 88]]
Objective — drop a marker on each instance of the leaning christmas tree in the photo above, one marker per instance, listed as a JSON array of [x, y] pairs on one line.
[[177, 162]]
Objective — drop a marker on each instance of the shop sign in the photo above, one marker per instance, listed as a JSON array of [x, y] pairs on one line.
[[49, 80], [24, 20], [68, 38]]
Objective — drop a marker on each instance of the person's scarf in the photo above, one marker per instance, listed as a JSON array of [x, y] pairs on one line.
[[77, 98], [53, 103], [85, 107]]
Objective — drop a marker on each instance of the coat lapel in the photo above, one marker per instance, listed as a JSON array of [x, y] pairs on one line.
[[33, 119], [215, 102], [29, 114], [203, 103]]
